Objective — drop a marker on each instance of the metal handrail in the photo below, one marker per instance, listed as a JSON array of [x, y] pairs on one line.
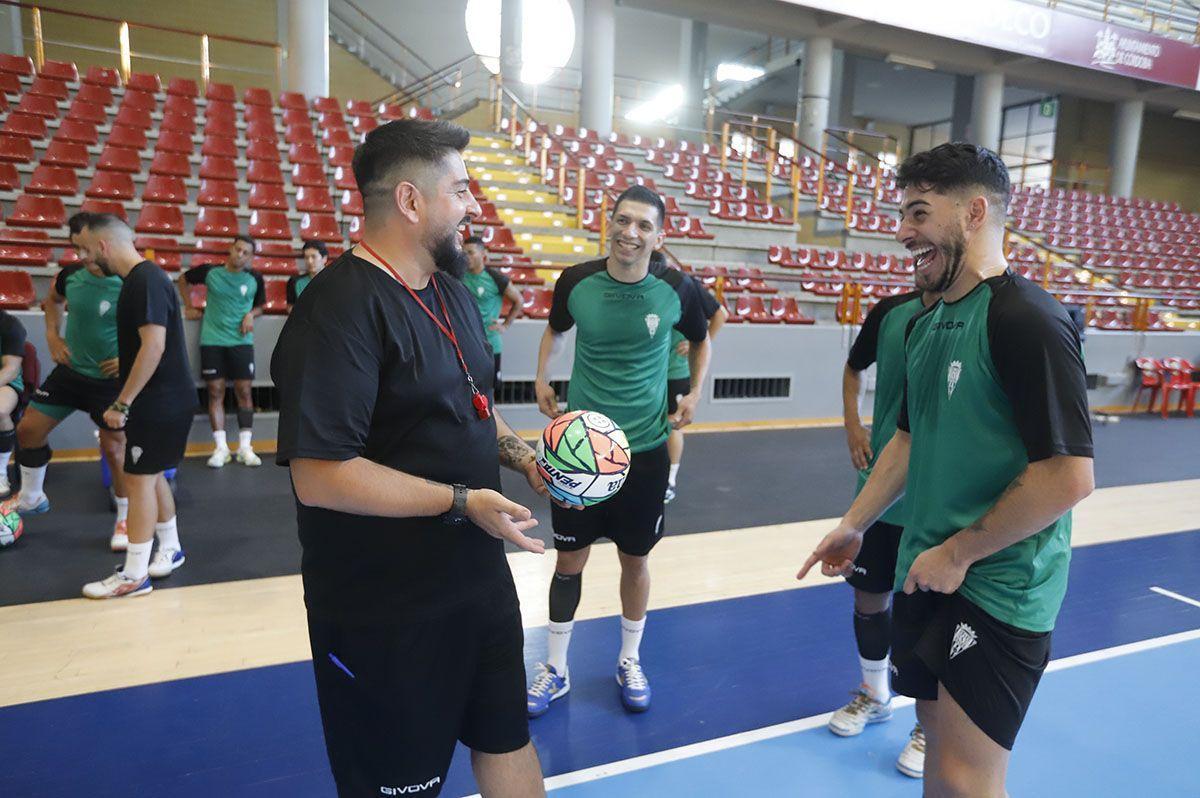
[[388, 34]]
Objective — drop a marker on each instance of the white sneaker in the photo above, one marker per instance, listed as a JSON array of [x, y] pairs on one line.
[[219, 458], [247, 457], [851, 719], [911, 761], [120, 537], [165, 561], [117, 586], [33, 505], [5, 488]]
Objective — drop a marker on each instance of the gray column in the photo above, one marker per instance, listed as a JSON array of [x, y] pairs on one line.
[[693, 56], [987, 110], [816, 75], [1127, 134], [10, 30], [960, 115], [841, 109], [511, 29], [308, 47], [596, 91]]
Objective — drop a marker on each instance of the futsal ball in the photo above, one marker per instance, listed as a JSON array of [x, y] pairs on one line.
[[11, 525], [583, 457]]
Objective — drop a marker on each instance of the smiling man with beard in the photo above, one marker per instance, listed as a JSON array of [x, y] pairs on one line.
[[995, 443], [385, 385]]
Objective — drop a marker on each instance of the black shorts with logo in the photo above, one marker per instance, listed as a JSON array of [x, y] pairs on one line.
[[683, 386], [633, 519], [227, 362], [396, 698], [989, 667], [66, 387], [155, 442], [875, 565]]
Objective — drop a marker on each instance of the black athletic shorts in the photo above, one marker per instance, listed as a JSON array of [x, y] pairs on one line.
[[875, 565], [227, 362], [989, 667], [395, 698], [67, 388], [155, 442], [674, 389], [633, 519]]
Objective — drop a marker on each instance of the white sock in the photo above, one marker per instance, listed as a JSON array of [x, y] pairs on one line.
[[559, 640], [674, 473], [32, 482], [122, 508], [244, 436], [167, 533], [875, 677], [137, 559], [4, 458], [219, 439], [631, 637]]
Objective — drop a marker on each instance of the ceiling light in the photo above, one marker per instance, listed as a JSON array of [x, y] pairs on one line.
[[909, 61], [738, 72], [657, 107]]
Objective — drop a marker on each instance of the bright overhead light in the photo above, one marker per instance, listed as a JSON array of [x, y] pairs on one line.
[[909, 61], [658, 106], [1192, 115], [738, 72], [547, 36]]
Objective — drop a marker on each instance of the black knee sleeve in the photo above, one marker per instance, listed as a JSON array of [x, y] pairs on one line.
[[565, 590], [8, 440], [34, 458], [245, 418], [874, 634]]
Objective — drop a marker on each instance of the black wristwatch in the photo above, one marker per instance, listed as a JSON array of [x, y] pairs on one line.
[[458, 510]]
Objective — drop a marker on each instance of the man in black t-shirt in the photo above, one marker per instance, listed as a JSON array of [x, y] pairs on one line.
[[385, 384], [155, 405]]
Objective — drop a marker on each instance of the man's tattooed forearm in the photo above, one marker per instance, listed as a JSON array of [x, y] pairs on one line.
[[514, 452]]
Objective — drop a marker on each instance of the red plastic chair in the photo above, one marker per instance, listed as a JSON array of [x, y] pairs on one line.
[[536, 302], [142, 100], [336, 136], [270, 224], [111, 186], [105, 206], [304, 153], [160, 219], [1151, 373], [351, 203], [183, 87], [276, 257], [10, 84], [43, 86], [264, 172], [145, 81], [359, 108], [10, 178], [309, 174], [293, 101], [218, 193], [221, 92], [178, 123], [341, 156], [258, 113], [58, 180], [15, 149], [1180, 375], [102, 76], [218, 169], [133, 117], [326, 105], [172, 164], [16, 290], [176, 104], [87, 112], [262, 151], [76, 132], [311, 199], [39, 106], [166, 189], [276, 296], [220, 126], [219, 147], [119, 159], [132, 138], [32, 210], [216, 222], [20, 253], [60, 70], [787, 309], [267, 196], [321, 226], [16, 64], [28, 126], [343, 179], [299, 134], [331, 120], [174, 141], [163, 251], [262, 130], [256, 96], [69, 154]]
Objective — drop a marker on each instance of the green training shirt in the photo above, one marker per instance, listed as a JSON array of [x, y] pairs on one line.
[[487, 288], [678, 367], [296, 285], [881, 341], [91, 330], [622, 334], [231, 295], [994, 382]]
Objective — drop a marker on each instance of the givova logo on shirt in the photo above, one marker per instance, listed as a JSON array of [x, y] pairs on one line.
[[952, 376], [964, 638], [652, 323]]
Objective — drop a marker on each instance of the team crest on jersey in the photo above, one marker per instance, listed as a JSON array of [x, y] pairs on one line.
[[243, 289], [105, 306], [964, 638], [479, 290], [952, 377], [135, 454], [652, 323]]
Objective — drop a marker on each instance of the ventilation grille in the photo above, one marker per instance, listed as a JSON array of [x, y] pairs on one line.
[[752, 388], [521, 392]]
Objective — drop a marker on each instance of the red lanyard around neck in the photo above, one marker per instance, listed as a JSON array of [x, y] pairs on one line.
[[479, 401]]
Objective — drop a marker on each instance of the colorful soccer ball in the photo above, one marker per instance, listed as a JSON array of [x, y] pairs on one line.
[[11, 525], [583, 457]]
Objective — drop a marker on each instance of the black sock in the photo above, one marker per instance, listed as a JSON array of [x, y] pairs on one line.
[[8, 441], [874, 634], [245, 417], [565, 590], [34, 458]]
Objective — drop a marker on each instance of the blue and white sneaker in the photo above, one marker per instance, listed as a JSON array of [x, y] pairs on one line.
[[165, 562], [547, 686], [117, 586], [851, 719], [33, 507], [635, 690]]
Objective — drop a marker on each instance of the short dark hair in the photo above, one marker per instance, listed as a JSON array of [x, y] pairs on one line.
[[103, 221], [319, 246], [646, 197], [955, 166], [78, 221], [475, 240], [248, 239], [397, 146]]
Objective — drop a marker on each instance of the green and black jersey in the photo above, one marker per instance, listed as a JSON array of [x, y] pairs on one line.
[[487, 288], [91, 330], [994, 381], [296, 285], [881, 341], [231, 295], [679, 368], [623, 333]]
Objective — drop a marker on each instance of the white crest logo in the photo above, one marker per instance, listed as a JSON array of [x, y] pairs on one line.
[[964, 638], [952, 377], [243, 289], [479, 290], [1105, 54], [105, 306], [136, 453], [652, 323]]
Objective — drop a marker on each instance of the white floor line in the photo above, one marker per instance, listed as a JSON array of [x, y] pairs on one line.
[[816, 721], [1170, 594]]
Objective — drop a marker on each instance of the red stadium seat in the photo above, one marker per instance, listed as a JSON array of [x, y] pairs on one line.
[[352, 203], [264, 172], [102, 76], [297, 117], [165, 189], [326, 105], [105, 206], [536, 304], [343, 179], [178, 123], [119, 159], [365, 124], [787, 309], [87, 112], [161, 219], [37, 105], [133, 117], [163, 251], [225, 112], [43, 86], [15, 149], [299, 134], [16, 290], [179, 105], [304, 153], [332, 120], [60, 70], [259, 113], [174, 141], [71, 154], [218, 169], [488, 214], [53, 180], [76, 132], [20, 253], [359, 108], [276, 257], [216, 222], [336, 136], [221, 92], [220, 147], [99, 95], [34, 211], [17, 64], [270, 224], [321, 226], [142, 100], [10, 178], [26, 125], [144, 81], [500, 239], [183, 87], [172, 164], [262, 130], [341, 156], [309, 174], [267, 196], [262, 151], [218, 193], [313, 200], [10, 84], [390, 111], [111, 186], [354, 233], [256, 96], [276, 296], [129, 137], [293, 100], [220, 126]]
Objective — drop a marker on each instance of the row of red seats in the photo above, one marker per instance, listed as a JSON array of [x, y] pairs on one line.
[[1079, 196], [1140, 279], [838, 259], [1060, 210], [1110, 260], [743, 278], [1169, 375], [754, 309], [1167, 244], [1113, 228]]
